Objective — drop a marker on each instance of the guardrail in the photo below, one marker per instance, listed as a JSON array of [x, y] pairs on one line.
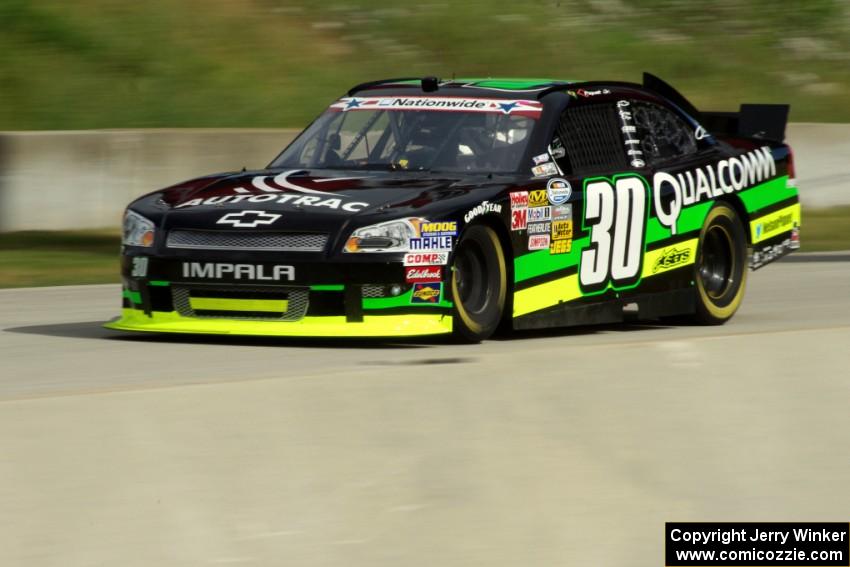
[[84, 179]]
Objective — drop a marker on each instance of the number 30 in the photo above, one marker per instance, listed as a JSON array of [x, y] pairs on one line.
[[616, 217]]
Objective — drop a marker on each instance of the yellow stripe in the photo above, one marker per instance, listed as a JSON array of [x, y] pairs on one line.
[[545, 295], [778, 222], [657, 262], [216, 304], [567, 289], [335, 326]]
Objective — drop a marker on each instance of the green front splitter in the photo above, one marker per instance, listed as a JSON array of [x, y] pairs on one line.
[[372, 325]]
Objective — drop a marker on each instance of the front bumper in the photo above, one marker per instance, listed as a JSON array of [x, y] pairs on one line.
[[356, 300]]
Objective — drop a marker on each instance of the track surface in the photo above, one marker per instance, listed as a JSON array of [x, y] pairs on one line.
[[564, 448]]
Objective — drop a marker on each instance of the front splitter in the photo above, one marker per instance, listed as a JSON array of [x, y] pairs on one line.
[[371, 326]]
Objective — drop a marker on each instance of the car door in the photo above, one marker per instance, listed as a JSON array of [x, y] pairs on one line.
[[606, 162]]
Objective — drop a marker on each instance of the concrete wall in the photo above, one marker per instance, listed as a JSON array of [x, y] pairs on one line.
[[71, 180]]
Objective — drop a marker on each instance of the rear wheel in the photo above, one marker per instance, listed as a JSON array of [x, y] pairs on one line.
[[721, 266], [479, 284]]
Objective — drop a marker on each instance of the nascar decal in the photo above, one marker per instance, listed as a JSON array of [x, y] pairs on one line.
[[519, 210], [539, 214], [418, 274], [426, 293], [538, 198], [484, 208], [527, 108], [272, 191], [438, 228], [706, 183], [629, 131], [426, 258], [436, 243], [539, 227], [672, 258], [558, 191], [616, 215], [538, 242], [545, 170]]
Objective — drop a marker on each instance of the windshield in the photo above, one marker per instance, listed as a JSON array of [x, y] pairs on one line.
[[438, 134]]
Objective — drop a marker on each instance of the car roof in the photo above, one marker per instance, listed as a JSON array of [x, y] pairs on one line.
[[509, 88]]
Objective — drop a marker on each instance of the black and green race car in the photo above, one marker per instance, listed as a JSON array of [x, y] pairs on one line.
[[420, 206]]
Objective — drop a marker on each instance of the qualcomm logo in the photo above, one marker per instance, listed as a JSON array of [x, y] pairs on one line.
[[248, 219]]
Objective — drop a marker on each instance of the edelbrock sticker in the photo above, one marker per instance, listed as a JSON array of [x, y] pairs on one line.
[[695, 186], [414, 274]]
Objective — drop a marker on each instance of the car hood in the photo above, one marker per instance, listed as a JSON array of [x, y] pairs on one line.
[[301, 200]]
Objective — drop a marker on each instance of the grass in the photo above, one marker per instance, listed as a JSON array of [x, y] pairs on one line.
[[277, 63], [59, 258], [89, 257]]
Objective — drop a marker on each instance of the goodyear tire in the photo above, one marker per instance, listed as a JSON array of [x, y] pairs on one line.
[[479, 284], [721, 266]]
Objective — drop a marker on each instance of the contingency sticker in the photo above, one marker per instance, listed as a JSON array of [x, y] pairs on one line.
[[526, 108], [426, 293]]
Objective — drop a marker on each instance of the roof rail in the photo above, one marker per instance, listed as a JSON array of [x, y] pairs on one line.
[[584, 85], [363, 86]]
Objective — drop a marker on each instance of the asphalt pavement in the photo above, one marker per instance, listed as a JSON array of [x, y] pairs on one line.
[[550, 448]]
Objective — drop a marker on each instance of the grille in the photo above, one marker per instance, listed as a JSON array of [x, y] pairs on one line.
[[589, 134], [279, 241], [297, 302], [372, 290]]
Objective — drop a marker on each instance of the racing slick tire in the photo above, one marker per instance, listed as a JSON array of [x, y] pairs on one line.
[[479, 284], [720, 272]]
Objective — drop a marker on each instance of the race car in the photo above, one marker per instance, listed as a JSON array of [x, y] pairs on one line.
[[425, 206]]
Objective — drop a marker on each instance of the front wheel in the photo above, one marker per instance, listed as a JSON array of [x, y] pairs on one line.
[[479, 284], [721, 267]]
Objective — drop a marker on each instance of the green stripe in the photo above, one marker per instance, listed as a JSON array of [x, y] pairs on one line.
[[327, 288], [159, 283], [402, 300], [541, 262], [690, 219], [133, 296], [767, 194]]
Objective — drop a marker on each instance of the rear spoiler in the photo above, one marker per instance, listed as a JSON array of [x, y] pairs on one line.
[[764, 121]]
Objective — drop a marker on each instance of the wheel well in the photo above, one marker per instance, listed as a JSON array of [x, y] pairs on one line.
[[495, 223], [735, 202]]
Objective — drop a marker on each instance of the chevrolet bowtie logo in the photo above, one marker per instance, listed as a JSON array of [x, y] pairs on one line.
[[248, 219]]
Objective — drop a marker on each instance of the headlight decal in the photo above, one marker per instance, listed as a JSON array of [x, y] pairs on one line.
[[403, 235], [137, 230]]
